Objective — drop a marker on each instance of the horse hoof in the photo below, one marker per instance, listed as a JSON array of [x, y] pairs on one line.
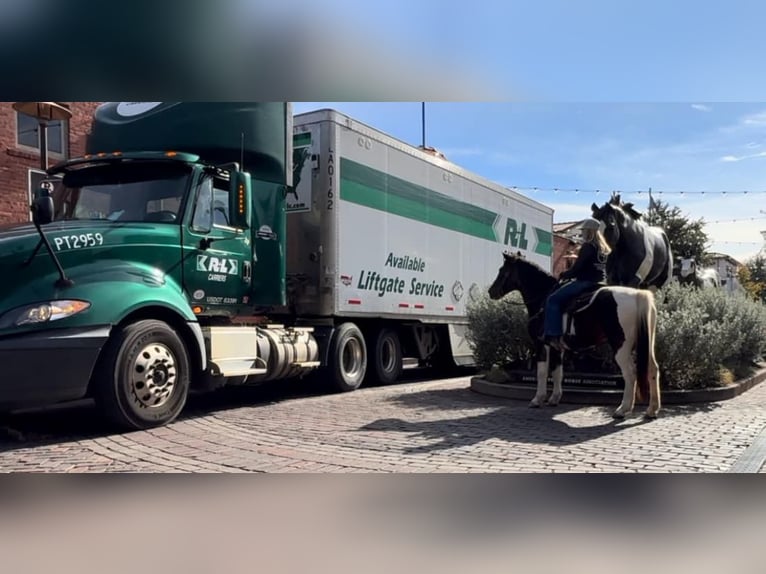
[[553, 403], [650, 416], [618, 415], [534, 404]]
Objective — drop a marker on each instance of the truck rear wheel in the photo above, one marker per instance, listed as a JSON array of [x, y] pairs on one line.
[[348, 358], [143, 378], [386, 357]]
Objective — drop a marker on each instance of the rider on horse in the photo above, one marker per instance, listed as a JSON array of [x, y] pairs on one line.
[[588, 271]]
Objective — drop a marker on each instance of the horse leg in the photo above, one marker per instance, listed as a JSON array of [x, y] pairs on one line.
[[653, 367], [557, 368], [624, 359], [543, 356], [654, 389]]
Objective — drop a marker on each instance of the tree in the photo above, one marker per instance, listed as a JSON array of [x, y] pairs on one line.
[[752, 277], [687, 236]]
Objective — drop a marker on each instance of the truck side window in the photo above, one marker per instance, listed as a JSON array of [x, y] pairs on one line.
[[221, 216], [203, 213]]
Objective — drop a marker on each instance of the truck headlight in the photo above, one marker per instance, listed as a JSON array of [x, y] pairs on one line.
[[43, 312]]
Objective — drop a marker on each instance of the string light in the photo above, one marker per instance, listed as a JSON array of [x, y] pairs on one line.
[[735, 220], [637, 192]]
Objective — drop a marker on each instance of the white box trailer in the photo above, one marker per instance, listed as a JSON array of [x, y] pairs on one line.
[[386, 235]]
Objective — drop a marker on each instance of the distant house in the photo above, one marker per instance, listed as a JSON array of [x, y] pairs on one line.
[[727, 268]]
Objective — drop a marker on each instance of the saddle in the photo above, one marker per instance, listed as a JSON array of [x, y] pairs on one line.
[[577, 305], [582, 301]]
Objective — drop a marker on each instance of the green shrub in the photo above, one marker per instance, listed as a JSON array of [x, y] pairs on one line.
[[704, 337], [704, 332], [497, 331]]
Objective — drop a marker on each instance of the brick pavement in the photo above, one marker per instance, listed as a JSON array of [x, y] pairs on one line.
[[416, 427]]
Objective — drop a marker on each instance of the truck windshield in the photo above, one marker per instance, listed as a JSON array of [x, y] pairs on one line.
[[123, 192]]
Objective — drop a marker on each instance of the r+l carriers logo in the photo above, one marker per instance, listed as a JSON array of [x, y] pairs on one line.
[[219, 268]]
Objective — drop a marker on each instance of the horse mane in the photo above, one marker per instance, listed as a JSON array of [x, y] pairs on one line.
[[531, 266], [625, 210], [628, 208]]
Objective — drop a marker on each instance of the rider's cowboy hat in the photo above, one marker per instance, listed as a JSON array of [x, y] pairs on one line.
[[590, 223]]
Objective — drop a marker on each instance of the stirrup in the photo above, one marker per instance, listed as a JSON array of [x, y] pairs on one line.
[[553, 342]]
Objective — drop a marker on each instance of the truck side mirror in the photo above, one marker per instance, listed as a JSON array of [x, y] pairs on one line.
[[42, 207], [240, 196]]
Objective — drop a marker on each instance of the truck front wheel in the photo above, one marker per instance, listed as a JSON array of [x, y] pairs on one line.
[[348, 358], [142, 380]]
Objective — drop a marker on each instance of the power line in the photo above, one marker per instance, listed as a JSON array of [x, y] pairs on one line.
[[735, 220]]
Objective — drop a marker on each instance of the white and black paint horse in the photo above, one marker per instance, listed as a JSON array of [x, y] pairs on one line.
[[622, 317], [641, 256], [690, 274]]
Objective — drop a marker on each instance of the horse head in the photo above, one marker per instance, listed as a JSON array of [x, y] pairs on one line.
[[507, 279], [613, 218]]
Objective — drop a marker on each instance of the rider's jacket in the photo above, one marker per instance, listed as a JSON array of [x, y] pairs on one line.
[[589, 266]]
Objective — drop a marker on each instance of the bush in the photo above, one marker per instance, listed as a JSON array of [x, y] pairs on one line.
[[701, 334], [497, 331], [704, 337]]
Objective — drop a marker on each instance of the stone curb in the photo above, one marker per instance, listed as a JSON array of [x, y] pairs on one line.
[[613, 396]]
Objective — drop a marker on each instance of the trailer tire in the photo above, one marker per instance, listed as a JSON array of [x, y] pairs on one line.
[[347, 358], [386, 357], [442, 362], [142, 380]]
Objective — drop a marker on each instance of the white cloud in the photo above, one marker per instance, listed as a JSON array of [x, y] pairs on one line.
[[702, 107], [733, 158], [758, 119], [570, 211], [461, 152]]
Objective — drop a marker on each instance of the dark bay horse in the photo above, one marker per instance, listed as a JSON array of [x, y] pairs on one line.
[[641, 255], [623, 317]]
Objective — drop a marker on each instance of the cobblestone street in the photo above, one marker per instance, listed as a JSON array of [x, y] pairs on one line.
[[439, 426]]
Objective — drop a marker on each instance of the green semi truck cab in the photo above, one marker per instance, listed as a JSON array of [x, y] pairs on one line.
[[143, 255]]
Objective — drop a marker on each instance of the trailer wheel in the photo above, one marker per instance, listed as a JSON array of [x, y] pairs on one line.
[[348, 358], [142, 380], [386, 357]]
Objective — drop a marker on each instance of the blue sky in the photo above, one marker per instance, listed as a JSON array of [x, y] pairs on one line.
[[670, 147], [593, 94], [549, 50]]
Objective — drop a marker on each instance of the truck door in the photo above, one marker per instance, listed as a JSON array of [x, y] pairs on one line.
[[217, 254]]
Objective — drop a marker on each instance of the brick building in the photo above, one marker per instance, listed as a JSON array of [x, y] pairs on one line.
[[20, 153]]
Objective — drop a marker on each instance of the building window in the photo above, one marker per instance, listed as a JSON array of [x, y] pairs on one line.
[[28, 135]]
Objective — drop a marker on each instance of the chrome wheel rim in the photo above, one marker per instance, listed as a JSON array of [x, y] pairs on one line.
[[153, 376]]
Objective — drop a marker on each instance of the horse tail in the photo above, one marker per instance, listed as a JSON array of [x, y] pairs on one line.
[[647, 320], [670, 261]]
